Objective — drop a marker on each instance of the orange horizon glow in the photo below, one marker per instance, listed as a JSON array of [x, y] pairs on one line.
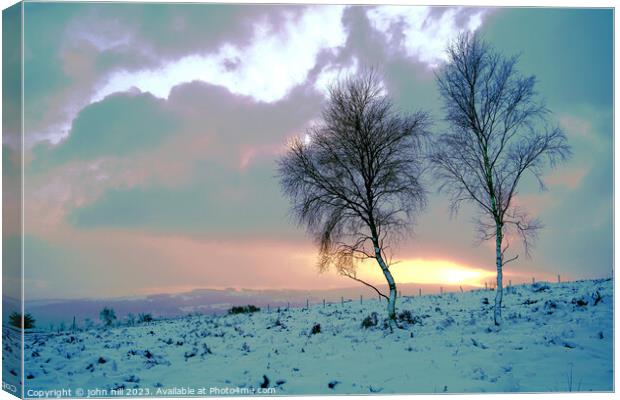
[[428, 271], [153, 263]]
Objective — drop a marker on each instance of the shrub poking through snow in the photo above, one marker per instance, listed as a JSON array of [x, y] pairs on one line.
[[190, 354], [316, 328], [370, 321], [243, 309], [332, 384], [478, 344], [406, 317], [144, 318], [15, 319], [539, 287], [580, 302], [107, 316], [550, 306]]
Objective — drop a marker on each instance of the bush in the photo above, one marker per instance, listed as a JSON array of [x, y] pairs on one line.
[[107, 316], [243, 309], [539, 287], [315, 329], [406, 317], [370, 321], [580, 302], [145, 317], [15, 319]]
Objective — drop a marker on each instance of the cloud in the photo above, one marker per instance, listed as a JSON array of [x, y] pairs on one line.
[[117, 125], [569, 178], [105, 34], [72, 49], [214, 134], [259, 52], [151, 187], [218, 202], [581, 130], [424, 32], [332, 73], [276, 60]]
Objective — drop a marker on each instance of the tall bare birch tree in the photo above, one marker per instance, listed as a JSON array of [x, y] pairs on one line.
[[354, 181], [498, 132]]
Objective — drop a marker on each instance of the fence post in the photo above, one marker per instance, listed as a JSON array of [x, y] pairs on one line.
[[559, 278], [307, 305], [486, 286], [441, 290], [341, 300], [533, 280], [461, 287], [361, 299], [267, 308], [323, 303], [288, 305], [420, 292]]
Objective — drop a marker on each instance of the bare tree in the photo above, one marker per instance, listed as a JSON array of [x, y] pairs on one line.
[[354, 181], [498, 132]]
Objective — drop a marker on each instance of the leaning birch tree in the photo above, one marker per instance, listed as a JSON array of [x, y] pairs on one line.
[[354, 181]]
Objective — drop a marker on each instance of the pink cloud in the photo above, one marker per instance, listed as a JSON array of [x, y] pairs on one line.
[[110, 262], [252, 153], [570, 178]]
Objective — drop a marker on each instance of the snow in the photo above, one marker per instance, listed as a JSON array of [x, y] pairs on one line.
[[555, 337]]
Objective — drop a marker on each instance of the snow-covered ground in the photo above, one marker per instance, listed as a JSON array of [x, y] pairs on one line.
[[555, 337]]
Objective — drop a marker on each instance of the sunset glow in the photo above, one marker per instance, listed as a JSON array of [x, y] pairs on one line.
[[429, 271]]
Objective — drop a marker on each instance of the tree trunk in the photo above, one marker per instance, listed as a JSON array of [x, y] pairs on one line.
[[497, 316], [391, 284]]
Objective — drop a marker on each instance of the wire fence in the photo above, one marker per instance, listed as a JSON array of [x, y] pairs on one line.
[[488, 286], [299, 303]]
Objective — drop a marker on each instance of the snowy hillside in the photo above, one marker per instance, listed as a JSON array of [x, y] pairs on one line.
[[556, 337]]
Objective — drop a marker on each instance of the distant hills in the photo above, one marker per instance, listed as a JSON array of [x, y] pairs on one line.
[[204, 301]]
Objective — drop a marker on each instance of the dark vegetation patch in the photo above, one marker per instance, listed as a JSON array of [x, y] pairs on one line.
[[243, 309]]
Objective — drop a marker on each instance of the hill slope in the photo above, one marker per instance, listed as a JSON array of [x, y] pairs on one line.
[[556, 337]]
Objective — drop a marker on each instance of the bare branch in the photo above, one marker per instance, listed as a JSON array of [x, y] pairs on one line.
[[510, 259], [355, 278]]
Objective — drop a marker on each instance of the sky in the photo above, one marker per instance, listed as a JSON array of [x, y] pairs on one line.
[[151, 134]]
